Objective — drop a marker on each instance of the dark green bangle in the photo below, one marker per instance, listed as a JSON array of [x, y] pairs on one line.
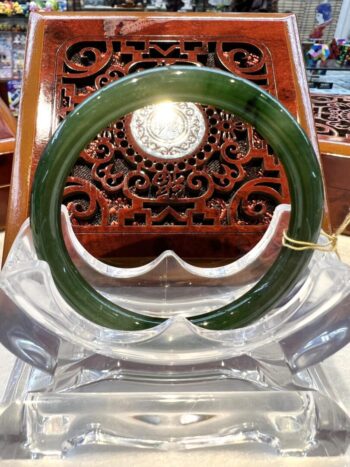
[[193, 84]]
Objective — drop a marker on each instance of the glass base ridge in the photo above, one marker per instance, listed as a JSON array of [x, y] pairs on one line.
[[233, 409]]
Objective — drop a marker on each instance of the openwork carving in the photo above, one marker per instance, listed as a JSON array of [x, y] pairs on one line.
[[228, 178], [332, 115], [84, 67]]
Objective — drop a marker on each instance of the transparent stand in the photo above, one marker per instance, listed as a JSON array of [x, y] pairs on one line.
[[79, 386]]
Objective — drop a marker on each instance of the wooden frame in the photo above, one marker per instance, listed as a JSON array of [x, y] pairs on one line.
[[51, 35], [332, 119], [7, 146]]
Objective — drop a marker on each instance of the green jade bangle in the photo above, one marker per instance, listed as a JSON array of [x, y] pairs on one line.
[[182, 84]]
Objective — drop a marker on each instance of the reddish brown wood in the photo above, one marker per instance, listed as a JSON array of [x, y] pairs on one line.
[[7, 124], [5, 167], [241, 180], [4, 197], [332, 119], [337, 174], [7, 146]]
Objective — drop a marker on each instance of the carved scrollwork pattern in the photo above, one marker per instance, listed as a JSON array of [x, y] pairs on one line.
[[232, 179], [332, 115]]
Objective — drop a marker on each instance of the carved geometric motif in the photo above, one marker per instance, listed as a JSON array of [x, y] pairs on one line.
[[332, 115], [231, 179]]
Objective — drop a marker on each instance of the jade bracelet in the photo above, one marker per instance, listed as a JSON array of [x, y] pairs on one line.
[[180, 84]]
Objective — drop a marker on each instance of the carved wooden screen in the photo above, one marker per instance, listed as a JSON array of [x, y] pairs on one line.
[[332, 117], [332, 120], [213, 201], [231, 182]]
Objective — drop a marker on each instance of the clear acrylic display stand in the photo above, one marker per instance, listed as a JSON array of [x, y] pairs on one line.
[[176, 386]]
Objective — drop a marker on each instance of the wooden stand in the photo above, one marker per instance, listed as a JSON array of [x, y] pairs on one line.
[[7, 147], [71, 56]]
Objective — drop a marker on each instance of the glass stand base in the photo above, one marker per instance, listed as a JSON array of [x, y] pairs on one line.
[[241, 410]]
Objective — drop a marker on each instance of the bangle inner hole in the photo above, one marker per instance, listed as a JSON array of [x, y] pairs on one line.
[[174, 176]]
